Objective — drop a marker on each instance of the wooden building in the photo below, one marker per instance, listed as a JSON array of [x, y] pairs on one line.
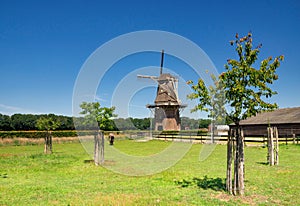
[[286, 120]]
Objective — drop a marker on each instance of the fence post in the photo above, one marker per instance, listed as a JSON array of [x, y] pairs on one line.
[[276, 146], [294, 139], [270, 146]]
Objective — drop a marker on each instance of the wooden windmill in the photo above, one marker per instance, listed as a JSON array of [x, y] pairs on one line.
[[167, 105]]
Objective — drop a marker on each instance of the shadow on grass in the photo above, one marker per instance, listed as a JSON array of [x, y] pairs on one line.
[[88, 161], [217, 184], [262, 163]]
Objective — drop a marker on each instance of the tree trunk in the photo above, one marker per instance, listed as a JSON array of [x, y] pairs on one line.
[[229, 161], [48, 143], [213, 131], [239, 163]]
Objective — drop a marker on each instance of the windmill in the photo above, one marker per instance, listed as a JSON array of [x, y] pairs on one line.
[[167, 105]]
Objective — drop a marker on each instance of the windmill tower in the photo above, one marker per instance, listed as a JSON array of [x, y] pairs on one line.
[[167, 105]]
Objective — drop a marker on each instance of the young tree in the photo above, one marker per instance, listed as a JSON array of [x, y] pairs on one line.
[[98, 117], [211, 100], [47, 124], [246, 90]]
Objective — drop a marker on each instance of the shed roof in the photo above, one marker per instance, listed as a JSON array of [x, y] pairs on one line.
[[279, 116]]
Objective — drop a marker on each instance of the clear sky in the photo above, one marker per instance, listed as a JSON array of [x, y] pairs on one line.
[[43, 44]]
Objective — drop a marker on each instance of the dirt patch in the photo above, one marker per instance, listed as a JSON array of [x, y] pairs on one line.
[[248, 199], [109, 163], [7, 155], [35, 141]]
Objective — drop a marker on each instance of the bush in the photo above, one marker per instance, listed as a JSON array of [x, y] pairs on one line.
[[36, 134]]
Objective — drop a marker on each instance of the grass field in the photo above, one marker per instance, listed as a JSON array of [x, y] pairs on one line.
[[67, 177]]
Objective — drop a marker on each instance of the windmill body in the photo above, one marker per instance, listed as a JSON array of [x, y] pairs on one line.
[[167, 105]]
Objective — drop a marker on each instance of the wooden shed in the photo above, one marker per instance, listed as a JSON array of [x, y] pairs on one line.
[[286, 120]]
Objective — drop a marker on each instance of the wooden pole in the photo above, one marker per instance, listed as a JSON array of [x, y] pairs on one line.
[[235, 154], [96, 149], [45, 143], [239, 186], [102, 147], [48, 143], [294, 139], [229, 161], [272, 131], [276, 146], [272, 146], [241, 164]]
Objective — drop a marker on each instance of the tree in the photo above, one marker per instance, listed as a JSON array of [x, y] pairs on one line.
[[24, 121], [246, 90], [141, 124], [47, 124], [5, 123], [211, 100], [98, 117], [203, 123]]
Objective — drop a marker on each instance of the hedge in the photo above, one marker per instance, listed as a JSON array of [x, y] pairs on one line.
[[41, 134], [74, 133]]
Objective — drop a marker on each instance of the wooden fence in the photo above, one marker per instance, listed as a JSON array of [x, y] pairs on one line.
[[222, 138]]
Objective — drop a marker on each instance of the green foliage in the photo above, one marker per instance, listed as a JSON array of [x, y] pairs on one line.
[[203, 123], [194, 124], [242, 87], [23, 122], [22, 134], [247, 88], [47, 123], [97, 116], [210, 99], [169, 132], [5, 123], [41, 134], [202, 94], [141, 124]]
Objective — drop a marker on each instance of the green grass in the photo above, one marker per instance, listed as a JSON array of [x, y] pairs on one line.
[[28, 177]]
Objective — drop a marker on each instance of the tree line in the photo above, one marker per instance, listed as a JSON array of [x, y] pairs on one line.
[[24, 122]]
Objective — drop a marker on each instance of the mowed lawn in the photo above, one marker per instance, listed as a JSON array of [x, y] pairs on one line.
[[67, 177]]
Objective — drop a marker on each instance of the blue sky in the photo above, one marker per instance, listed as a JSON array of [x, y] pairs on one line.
[[43, 44]]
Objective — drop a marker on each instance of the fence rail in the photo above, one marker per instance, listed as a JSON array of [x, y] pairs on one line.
[[223, 138]]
